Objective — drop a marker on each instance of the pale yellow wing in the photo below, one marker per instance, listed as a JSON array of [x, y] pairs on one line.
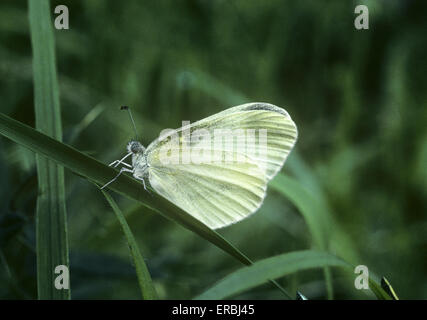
[[220, 192], [215, 194], [281, 132]]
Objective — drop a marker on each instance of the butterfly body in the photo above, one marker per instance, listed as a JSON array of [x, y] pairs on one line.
[[139, 159]]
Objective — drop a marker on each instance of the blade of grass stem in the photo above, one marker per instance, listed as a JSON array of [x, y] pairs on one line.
[[144, 279], [278, 266], [51, 218], [315, 215]]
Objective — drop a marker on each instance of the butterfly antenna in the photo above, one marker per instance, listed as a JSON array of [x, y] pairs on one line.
[[131, 119]]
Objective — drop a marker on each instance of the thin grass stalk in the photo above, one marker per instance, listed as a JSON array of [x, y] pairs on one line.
[[51, 217]]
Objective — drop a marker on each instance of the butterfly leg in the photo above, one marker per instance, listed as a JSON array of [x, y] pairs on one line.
[[142, 176], [115, 178], [115, 163], [143, 182]]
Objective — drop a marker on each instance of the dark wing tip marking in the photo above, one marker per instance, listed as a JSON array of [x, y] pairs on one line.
[[264, 106]]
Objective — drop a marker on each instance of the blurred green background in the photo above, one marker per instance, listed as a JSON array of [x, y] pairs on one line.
[[359, 99]]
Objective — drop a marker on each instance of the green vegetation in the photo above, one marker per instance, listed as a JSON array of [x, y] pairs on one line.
[[51, 217], [353, 191]]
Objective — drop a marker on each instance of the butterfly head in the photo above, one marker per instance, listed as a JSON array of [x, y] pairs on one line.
[[135, 147]]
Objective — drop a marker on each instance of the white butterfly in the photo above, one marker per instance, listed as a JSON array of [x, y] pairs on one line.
[[217, 183]]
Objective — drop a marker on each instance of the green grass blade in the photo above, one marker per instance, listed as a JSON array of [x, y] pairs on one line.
[[51, 219], [385, 284], [315, 215], [144, 279], [337, 239], [275, 267], [270, 268], [307, 205], [379, 292], [100, 173], [90, 117]]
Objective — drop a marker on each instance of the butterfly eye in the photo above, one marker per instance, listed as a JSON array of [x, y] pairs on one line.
[[131, 147], [135, 147]]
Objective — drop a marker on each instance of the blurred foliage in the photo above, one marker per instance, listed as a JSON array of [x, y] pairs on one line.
[[359, 99]]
